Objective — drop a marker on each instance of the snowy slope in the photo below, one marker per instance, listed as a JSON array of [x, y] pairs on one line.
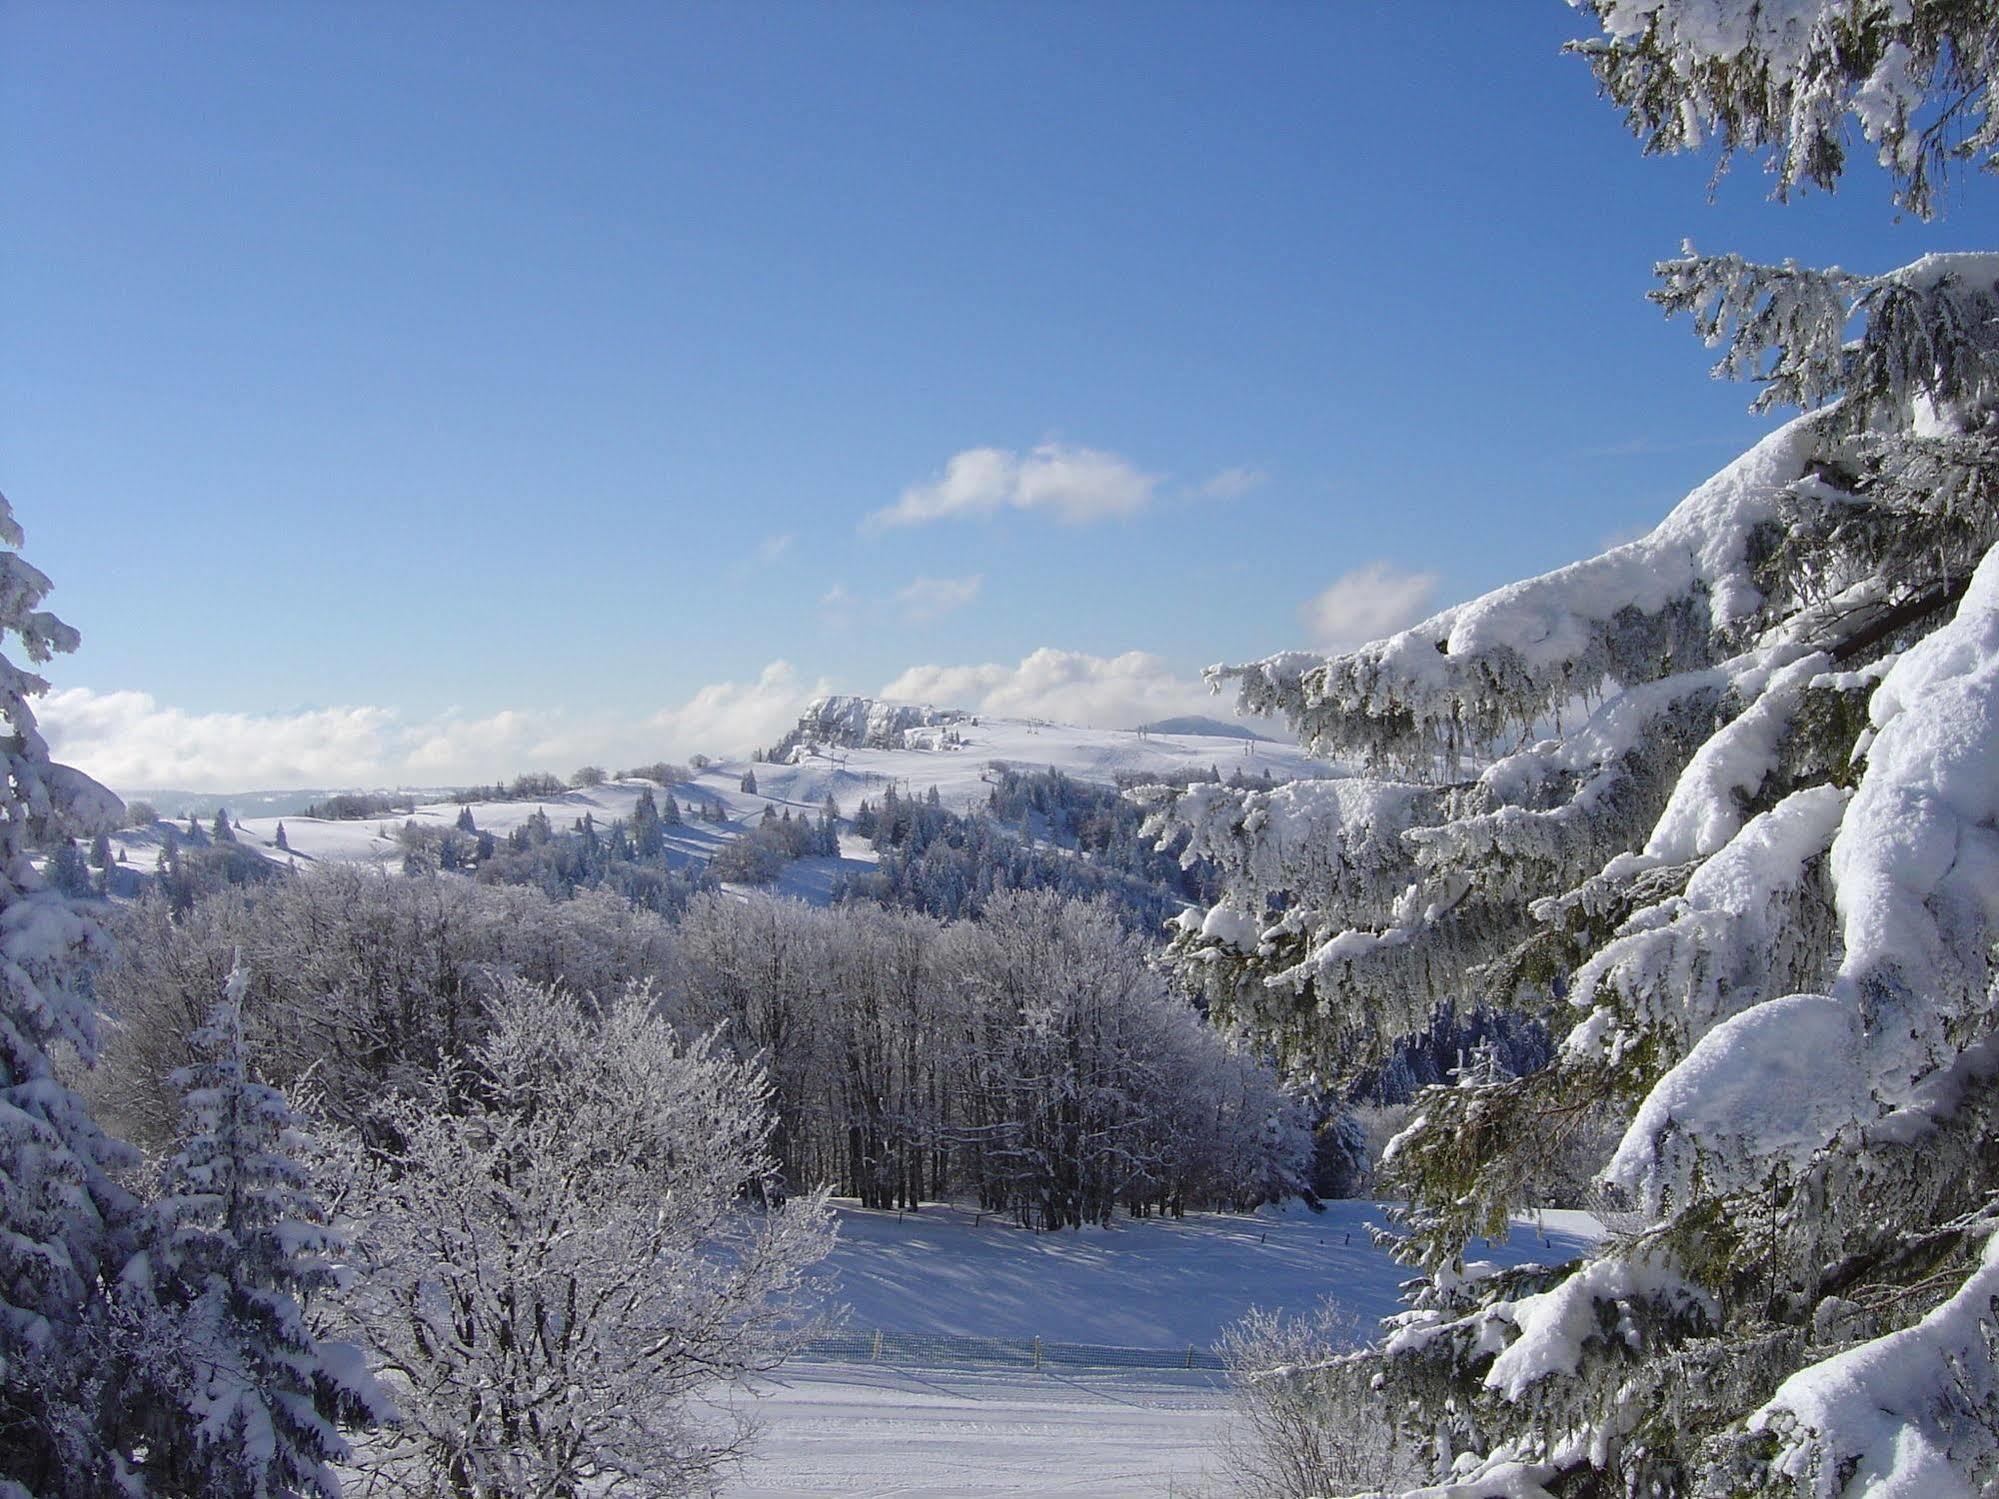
[[947, 1433], [960, 775], [1145, 1283], [879, 1430]]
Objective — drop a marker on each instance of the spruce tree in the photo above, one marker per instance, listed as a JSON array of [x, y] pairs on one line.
[[60, 1210], [648, 838], [224, 1389], [67, 871], [1721, 806]]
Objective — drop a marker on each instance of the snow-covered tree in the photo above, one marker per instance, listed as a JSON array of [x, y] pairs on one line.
[[222, 1387], [1786, 76], [1723, 806], [358, 985], [558, 1257], [67, 872], [58, 1205], [648, 835]]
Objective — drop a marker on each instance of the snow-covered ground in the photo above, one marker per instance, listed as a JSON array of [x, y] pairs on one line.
[[880, 1430], [961, 775], [933, 1430]]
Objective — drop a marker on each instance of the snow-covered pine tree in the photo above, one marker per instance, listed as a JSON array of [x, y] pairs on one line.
[[1723, 806], [223, 1389], [58, 1203], [67, 872], [1784, 76], [648, 835]]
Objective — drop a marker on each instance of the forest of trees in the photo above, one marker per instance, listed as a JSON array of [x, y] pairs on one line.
[[1671, 880], [382, 1156], [1032, 1062], [1037, 830]]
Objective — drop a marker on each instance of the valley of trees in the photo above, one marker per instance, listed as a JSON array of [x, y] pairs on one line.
[[475, 1178], [1670, 886]]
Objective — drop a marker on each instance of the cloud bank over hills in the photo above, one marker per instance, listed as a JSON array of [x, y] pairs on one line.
[[132, 739]]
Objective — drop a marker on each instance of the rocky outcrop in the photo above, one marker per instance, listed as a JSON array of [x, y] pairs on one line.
[[867, 723]]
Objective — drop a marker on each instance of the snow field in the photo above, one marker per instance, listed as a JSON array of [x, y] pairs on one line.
[[899, 1429], [934, 1433]]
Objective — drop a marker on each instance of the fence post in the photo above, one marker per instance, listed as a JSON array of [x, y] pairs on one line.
[[876, 1356], [1037, 1350], [1190, 1355]]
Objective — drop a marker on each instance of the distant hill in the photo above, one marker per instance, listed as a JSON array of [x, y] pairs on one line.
[[171, 802], [1208, 728], [960, 755]]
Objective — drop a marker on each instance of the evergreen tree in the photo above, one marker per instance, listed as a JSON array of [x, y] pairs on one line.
[[465, 823], [100, 851], [1746, 883], [1914, 75], [749, 781], [670, 813], [223, 833], [648, 836], [67, 872], [59, 1207], [224, 1388]]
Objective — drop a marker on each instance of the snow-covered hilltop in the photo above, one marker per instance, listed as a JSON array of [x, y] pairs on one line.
[[867, 723], [861, 749]]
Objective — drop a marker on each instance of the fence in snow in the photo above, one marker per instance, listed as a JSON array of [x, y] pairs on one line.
[[940, 1350]]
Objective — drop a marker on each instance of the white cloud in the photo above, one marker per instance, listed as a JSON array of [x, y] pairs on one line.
[[933, 598], [1107, 692], [731, 718], [1368, 603], [131, 741], [1231, 483], [1075, 484], [775, 546]]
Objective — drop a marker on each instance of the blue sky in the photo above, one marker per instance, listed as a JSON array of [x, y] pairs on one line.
[[429, 390]]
